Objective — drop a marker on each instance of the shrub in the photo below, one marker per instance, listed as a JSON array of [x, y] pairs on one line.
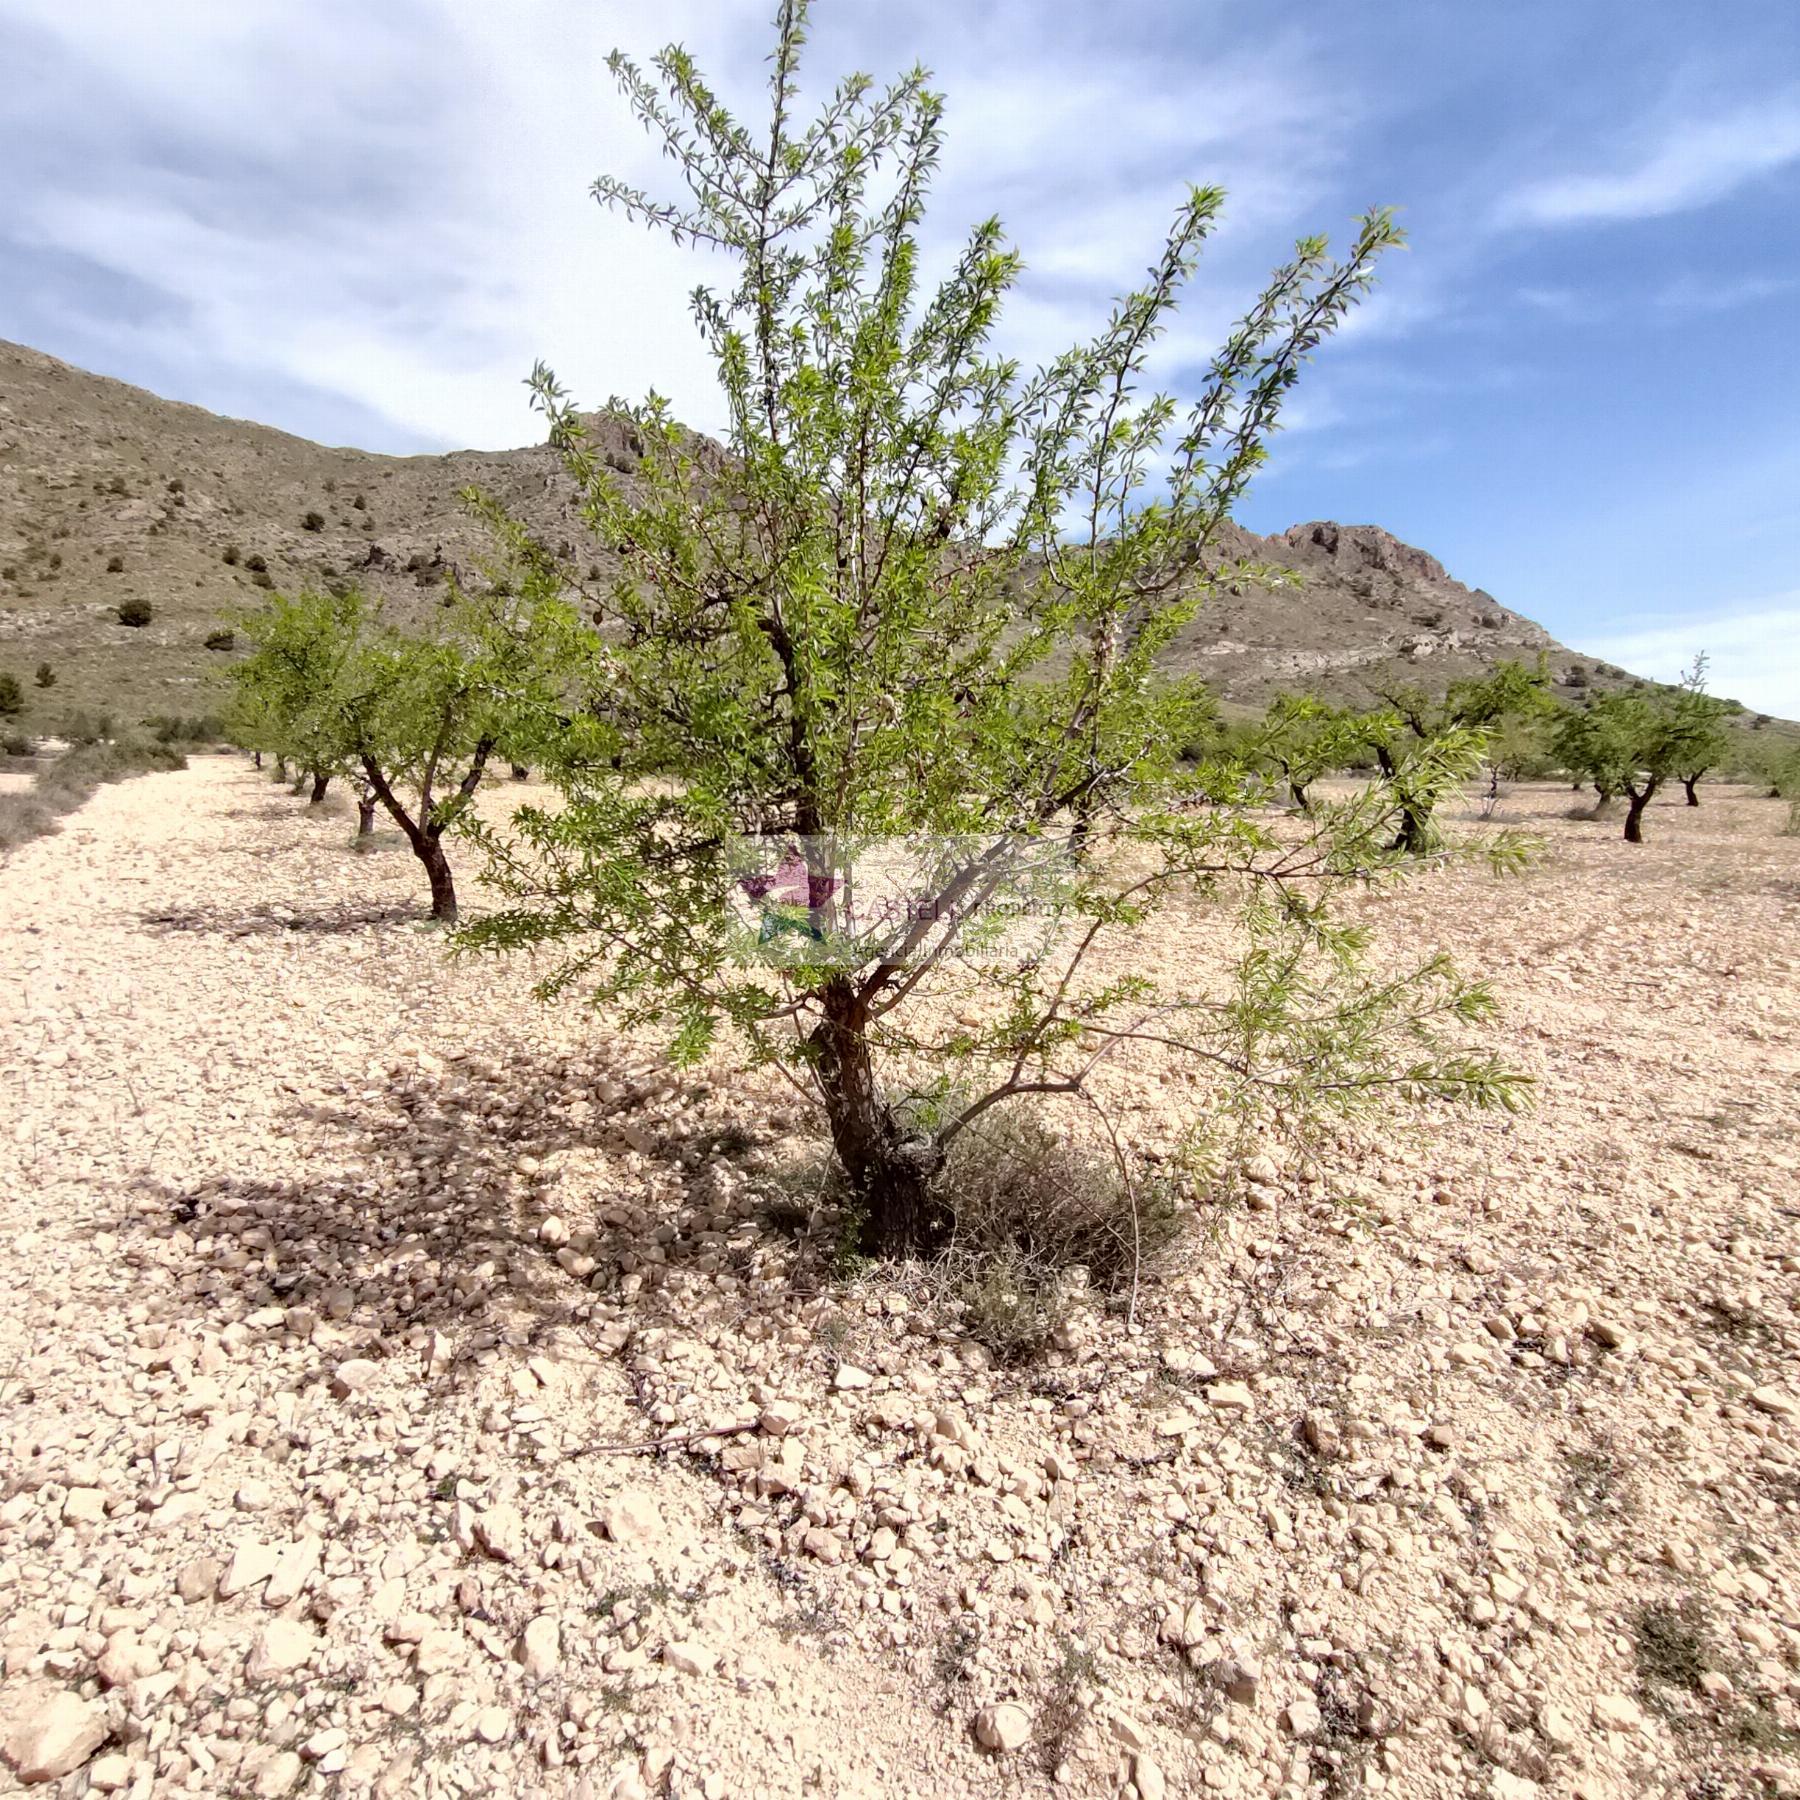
[[168, 728], [1037, 1218], [65, 783], [262, 579], [314, 521], [177, 485], [115, 565], [256, 563], [360, 503], [136, 612], [12, 696], [16, 743], [229, 554], [221, 640], [46, 676]]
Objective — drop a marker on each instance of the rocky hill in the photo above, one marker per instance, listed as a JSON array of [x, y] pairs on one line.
[[110, 494]]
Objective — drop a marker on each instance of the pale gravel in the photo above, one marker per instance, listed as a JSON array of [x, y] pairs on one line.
[[1373, 1499]]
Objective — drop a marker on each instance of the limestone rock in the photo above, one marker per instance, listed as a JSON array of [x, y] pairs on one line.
[[1002, 1728], [53, 1733]]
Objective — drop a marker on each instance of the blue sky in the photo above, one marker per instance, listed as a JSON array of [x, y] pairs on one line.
[[1579, 387]]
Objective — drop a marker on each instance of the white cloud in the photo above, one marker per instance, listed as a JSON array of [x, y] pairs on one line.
[[1752, 650], [390, 204], [1691, 165]]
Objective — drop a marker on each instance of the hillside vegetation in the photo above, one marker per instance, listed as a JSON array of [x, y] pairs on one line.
[[109, 495]]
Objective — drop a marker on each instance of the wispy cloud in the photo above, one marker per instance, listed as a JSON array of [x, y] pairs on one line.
[[1752, 649], [392, 207], [1693, 164]]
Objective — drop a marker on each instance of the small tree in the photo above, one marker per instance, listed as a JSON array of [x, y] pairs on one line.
[[314, 521], [1707, 742], [1632, 742], [301, 647], [424, 714], [1305, 738], [46, 676], [1411, 734], [910, 618], [12, 696], [136, 613], [416, 716]]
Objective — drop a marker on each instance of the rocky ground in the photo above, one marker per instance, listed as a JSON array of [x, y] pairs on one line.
[[345, 1287]]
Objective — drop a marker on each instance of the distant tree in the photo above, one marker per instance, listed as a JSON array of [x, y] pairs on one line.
[[424, 714], [300, 649], [12, 696], [1708, 741], [1305, 738], [136, 613], [919, 600], [46, 676], [1632, 742], [415, 715], [1411, 733]]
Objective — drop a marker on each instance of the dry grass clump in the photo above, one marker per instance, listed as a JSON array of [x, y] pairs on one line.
[[64, 784], [1039, 1218]]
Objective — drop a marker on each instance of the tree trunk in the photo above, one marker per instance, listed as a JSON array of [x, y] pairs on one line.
[[520, 772], [890, 1174], [320, 784], [437, 871], [256, 756], [281, 773], [298, 783], [1634, 815], [1412, 837], [1689, 782], [1297, 791], [365, 817]]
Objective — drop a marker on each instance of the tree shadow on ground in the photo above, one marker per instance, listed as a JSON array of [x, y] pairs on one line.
[[265, 921], [423, 1201]]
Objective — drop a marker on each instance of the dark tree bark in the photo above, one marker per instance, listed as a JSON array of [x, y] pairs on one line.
[[891, 1174], [299, 783], [365, 815], [425, 833], [319, 784], [1634, 813], [443, 884], [281, 769], [1690, 782], [1297, 791], [256, 762], [520, 772]]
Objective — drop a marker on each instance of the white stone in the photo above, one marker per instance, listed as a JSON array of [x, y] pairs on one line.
[[1002, 1728], [53, 1733]]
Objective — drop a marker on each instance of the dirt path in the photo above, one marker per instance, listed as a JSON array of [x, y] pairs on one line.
[[1468, 1468]]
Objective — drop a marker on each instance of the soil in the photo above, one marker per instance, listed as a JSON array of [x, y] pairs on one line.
[[345, 1284]]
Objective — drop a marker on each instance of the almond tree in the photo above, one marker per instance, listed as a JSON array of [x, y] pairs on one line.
[[1305, 738], [904, 628], [284, 694], [1412, 733], [416, 715], [1632, 742]]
